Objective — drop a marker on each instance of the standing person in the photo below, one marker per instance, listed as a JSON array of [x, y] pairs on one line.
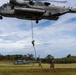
[[52, 63], [39, 62]]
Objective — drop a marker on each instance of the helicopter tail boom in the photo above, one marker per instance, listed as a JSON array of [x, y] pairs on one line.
[[72, 10]]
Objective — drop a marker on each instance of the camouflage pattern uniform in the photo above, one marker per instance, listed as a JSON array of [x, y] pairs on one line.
[[39, 63], [52, 62]]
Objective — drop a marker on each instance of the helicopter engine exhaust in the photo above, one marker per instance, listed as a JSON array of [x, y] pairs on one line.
[[29, 10]]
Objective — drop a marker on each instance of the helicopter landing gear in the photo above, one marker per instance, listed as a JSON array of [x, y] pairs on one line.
[[1, 17], [37, 21]]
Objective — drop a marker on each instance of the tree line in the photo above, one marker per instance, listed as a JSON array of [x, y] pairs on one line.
[[17, 57], [67, 59]]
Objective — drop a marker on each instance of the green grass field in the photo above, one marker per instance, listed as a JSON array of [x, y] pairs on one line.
[[7, 68]]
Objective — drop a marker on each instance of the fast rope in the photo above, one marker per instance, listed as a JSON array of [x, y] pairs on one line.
[[33, 41]]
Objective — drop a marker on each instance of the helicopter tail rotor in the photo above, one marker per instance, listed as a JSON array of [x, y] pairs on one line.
[[0, 14]]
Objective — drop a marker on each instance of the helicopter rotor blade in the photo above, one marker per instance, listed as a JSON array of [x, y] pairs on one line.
[[59, 1], [53, 1]]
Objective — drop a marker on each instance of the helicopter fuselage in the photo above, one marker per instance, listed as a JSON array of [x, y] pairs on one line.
[[33, 11]]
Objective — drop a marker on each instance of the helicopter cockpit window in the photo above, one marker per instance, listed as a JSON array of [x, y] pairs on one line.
[[39, 3], [5, 5]]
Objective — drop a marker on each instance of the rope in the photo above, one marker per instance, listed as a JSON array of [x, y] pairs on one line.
[[33, 41], [32, 30]]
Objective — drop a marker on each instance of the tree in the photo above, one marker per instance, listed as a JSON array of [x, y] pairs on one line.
[[69, 55], [1, 57], [30, 56], [48, 57]]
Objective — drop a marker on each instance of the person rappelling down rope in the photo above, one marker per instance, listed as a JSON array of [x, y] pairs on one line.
[[33, 43]]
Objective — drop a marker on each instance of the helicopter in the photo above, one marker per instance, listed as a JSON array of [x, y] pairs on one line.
[[33, 10]]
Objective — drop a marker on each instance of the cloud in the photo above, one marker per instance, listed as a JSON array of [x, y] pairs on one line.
[[57, 38]]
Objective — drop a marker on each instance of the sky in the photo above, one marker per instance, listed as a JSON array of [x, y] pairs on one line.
[[57, 38]]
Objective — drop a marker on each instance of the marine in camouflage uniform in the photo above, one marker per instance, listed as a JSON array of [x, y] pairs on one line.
[[52, 63]]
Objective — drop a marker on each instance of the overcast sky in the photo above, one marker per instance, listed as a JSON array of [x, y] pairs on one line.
[[57, 38]]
